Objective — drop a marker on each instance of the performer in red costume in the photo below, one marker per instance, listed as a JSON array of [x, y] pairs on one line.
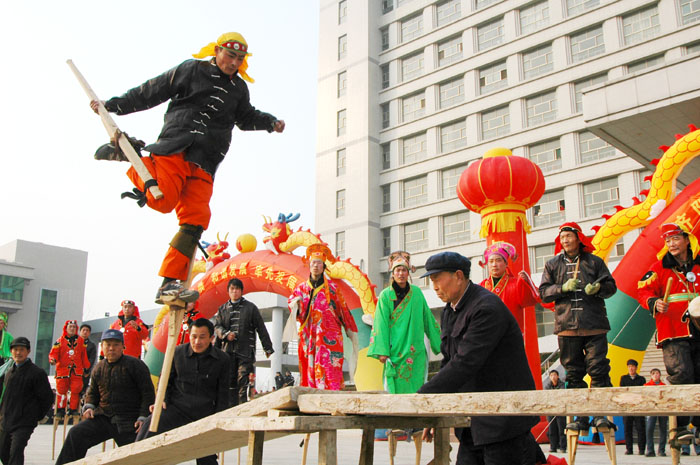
[[135, 330], [69, 354]]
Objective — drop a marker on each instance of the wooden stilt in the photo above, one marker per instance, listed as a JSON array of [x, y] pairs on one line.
[[571, 441], [391, 441], [256, 439], [65, 424], [609, 438], [418, 441], [442, 446], [675, 451], [55, 427], [367, 447], [306, 448], [328, 447]]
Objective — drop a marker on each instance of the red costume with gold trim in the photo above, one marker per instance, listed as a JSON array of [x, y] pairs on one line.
[[133, 334], [70, 356], [515, 292]]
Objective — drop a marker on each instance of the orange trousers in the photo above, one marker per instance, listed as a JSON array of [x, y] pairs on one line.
[[187, 189], [74, 384]]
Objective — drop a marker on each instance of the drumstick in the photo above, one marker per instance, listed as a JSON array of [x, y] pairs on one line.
[[668, 289], [576, 269]]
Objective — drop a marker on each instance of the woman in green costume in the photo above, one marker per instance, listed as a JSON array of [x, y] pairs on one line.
[[400, 321], [5, 339]]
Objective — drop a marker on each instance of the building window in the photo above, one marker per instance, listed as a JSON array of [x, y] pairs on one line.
[[342, 46], [340, 162], [342, 11], [542, 254], [575, 7], [690, 11], [387, 6], [587, 44], [534, 17], [386, 156], [415, 236], [455, 228], [588, 82], [645, 180], [546, 155], [414, 148], [479, 4], [493, 77], [452, 92], [342, 121], [342, 83], [617, 252], [541, 108], [47, 315], [449, 51], [413, 106], [645, 63], [340, 244], [495, 123], [386, 121], [600, 197], [415, 191], [386, 198], [448, 11], [453, 136], [489, 34], [384, 32], [340, 203], [386, 241], [412, 27], [412, 66], [550, 210], [692, 48], [641, 25], [449, 178], [11, 288], [591, 148], [385, 76], [538, 61]]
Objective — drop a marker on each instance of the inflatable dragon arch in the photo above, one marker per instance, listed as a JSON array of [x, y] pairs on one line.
[[275, 269]]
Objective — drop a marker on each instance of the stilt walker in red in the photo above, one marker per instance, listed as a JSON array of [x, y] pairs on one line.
[[69, 354]]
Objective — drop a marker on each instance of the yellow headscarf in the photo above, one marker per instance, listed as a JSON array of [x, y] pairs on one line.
[[209, 50]]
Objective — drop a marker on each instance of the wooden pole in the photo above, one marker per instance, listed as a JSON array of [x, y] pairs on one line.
[[578, 262], [113, 129], [306, 448]]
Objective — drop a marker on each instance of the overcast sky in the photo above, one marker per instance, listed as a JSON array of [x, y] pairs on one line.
[[54, 192]]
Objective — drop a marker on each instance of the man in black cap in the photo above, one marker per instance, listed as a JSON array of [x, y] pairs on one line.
[[116, 403], [632, 378], [480, 342], [26, 397]]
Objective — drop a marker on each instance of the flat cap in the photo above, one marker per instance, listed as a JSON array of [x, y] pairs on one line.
[[20, 342], [447, 261], [112, 334]]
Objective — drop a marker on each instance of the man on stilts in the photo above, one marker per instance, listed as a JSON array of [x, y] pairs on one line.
[[207, 98], [69, 354]]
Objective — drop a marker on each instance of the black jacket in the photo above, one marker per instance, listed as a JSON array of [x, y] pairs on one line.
[[243, 347], [122, 390], [593, 315], [483, 351], [626, 380], [204, 106], [91, 350], [27, 397], [199, 384]]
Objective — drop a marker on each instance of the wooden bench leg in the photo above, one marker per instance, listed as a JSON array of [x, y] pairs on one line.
[[418, 441], [328, 447], [442, 446], [367, 447], [256, 440]]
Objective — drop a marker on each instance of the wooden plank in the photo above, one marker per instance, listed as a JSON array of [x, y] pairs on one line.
[[637, 401], [442, 446], [256, 440], [328, 447], [367, 447]]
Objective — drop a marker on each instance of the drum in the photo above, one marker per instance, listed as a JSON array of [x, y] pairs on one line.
[[694, 312]]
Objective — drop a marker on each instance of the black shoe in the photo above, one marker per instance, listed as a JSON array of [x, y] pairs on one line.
[[172, 291], [651, 454], [683, 436], [662, 453], [563, 451], [602, 424], [110, 152], [685, 452], [579, 424], [552, 450], [629, 452], [641, 452]]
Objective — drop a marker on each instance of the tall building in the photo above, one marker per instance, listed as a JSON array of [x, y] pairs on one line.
[[41, 286]]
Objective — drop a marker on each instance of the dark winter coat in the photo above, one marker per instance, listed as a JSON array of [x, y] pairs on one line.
[[243, 347], [204, 106], [483, 351], [577, 310], [626, 380], [27, 397], [91, 349]]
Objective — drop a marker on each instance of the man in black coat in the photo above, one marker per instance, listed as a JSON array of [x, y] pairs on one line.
[[198, 385], [483, 351], [116, 403], [632, 378], [236, 323], [91, 349], [26, 397]]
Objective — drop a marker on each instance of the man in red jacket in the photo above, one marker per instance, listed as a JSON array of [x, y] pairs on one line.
[[69, 354], [135, 330]]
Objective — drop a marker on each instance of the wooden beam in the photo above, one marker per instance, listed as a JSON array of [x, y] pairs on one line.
[[637, 401]]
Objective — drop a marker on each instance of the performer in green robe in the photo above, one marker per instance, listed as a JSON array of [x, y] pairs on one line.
[[5, 339], [400, 321]]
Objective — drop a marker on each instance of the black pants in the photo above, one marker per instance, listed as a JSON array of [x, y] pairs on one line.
[[520, 450], [557, 432], [89, 433], [581, 355], [638, 423], [240, 369], [12, 445], [171, 418], [682, 360]]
